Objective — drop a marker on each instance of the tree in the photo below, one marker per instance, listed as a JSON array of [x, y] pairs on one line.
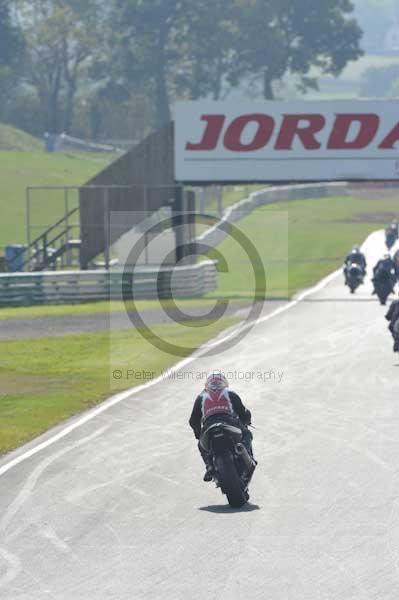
[[291, 36], [44, 65], [144, 51], [11, 40], [172, 48], [11, 58], [380, 82], [61, 40], [177, 48], [375, 17], [208, 48], [79, 39]]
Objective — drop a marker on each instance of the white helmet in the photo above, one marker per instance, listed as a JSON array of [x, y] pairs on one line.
[[216, 382]]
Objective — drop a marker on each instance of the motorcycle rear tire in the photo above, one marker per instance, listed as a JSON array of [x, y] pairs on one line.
[[230, 481]]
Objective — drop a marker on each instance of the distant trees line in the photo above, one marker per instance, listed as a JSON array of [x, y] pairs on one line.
[[376, 17], [113, 68]]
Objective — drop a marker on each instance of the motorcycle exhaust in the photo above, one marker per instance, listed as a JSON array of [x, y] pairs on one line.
[[248, 460]]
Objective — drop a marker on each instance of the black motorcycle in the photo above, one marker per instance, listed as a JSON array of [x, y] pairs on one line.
[[384, 285], [396, 263], [233, 466], [390, 238], [396, 336], [354, 277]]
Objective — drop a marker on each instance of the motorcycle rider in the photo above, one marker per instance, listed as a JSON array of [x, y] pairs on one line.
[[396, 262], [393, 317], [394, 227], [217, 403], [356, 257], [385, 264], [391, 234]]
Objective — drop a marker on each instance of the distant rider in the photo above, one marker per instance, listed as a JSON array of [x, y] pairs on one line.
[[387, 265], [394, 227], [217, 403], [391, 234], [393, 317], [396, 262], [356, 257]]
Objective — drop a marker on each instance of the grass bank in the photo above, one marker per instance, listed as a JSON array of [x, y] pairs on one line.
[[299, 243], [44, 381], [13, 139], [37, 168]]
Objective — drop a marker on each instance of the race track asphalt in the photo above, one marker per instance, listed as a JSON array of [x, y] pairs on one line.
[[117, 509]]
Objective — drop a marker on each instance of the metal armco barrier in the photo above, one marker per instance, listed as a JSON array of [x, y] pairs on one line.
[[272, 195], [187, 281], [27, 289]]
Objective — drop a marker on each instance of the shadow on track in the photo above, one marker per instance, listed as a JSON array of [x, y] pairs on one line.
[[226, 509]]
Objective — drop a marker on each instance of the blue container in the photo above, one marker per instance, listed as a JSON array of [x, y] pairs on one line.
[[15, 256]]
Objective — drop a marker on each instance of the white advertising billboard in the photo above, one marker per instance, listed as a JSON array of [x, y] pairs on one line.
[[286, 141]]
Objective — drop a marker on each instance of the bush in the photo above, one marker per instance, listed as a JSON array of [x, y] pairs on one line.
[[379, 82], [105, 118], [25, 112]]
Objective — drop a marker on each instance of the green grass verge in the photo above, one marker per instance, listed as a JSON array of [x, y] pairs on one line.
[[13, 139], [232, 196], [299, 242], [44, 381], [18, 170]]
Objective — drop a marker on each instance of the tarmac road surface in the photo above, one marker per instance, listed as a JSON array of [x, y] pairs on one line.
[[117, 509]]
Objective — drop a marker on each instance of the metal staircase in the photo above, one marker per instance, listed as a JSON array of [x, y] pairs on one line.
[[52, 247]]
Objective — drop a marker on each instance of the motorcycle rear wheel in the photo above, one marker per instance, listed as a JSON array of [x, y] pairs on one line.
[[230, 481]]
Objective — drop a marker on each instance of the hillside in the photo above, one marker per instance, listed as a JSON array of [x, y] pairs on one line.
[[12, 139], [18, 170]]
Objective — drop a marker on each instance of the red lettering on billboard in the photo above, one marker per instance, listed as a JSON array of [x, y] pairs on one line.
[[369, 124], [388, 143], [264, 131], [303, 127], [211, 135], [292, 128]]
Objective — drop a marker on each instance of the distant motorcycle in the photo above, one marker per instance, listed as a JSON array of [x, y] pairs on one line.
[[354, 277], [390, 238], [396, 336], [384, 285], [233, 466], [396, 262]]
